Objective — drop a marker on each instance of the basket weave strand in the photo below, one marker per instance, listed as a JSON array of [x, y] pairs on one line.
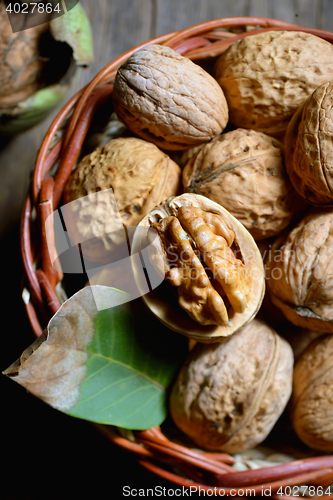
[[152, 449]]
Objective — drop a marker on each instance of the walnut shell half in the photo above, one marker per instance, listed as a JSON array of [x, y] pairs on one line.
[[166, 99], [309, 147], [300, 272], [229, 395], [312, 401], [212, 268]]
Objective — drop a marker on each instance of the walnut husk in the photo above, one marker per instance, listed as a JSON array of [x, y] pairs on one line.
[[229, 395], [300, 272], [140, 175], [20, 61], [267, 76], [195, 307], [309, 147], [243, 170], [165, 98], [312, 401]]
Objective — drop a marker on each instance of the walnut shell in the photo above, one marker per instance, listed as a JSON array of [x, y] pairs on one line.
[[309, 147], [312, 401], [229, 395], [140, 175], [165, 98], [267, 76], [212, 301], [300, 272], [20, 61], [243, 170]]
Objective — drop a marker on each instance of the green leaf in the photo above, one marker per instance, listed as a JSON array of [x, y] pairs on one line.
[[110, 366]]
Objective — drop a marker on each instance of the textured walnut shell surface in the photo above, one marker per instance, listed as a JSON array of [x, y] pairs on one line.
[[140, 175], [167, 99], [243, 170], [163, 302], [300, 272], [309, 147], [312, 401], [229, 395], [267, 76]]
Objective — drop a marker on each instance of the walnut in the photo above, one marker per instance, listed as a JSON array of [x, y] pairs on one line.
[[309, 145], [167, 99], [300, 272], [312, 401], [229, 395], [140, 175], [267, 76], [211, 262], [243, 170]]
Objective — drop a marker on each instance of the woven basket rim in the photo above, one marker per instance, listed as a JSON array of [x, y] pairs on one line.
[[202, 41]]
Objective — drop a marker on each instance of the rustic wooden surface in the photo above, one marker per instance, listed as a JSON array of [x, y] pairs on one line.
[[49, 455]]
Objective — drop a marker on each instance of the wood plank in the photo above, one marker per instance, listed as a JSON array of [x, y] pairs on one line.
[[306, 13], [118, 26], [178, 15], [260, 8], [284, 10], [325, 15]]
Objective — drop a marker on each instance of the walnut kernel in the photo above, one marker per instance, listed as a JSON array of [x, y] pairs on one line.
[[210, 260]]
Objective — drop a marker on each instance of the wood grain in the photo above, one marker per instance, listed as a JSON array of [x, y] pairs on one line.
[[118, 26], [49, 455]]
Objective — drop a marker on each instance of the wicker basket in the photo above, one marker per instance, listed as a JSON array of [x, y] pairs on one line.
[[152, 448]]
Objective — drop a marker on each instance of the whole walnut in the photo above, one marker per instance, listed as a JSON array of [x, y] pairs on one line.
[[211, 266], [312, 401], [140, 175], [309, 145], [165, 98], [229, 395], [243, 170], [20, 61], [300, 272], [267, 76]]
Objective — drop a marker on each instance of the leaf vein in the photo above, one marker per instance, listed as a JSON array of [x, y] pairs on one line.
[[129, 367], [124, 397], [106, 388]]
